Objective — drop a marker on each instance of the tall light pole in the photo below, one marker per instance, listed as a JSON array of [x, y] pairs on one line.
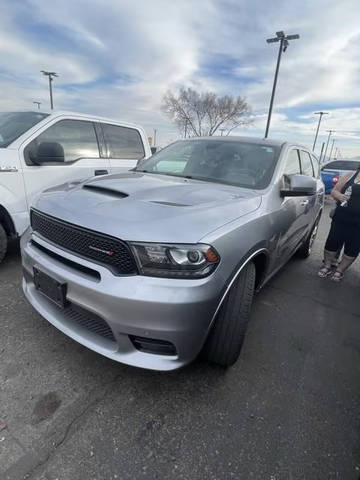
[[317, 130], [222, 130], [322, 151], [38, 104], [155, 137], [332, 146], [51, 75], [327, 143], [284, 43]]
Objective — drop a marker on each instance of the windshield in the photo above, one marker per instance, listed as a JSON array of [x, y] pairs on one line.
[[248, 165], [14, 124]]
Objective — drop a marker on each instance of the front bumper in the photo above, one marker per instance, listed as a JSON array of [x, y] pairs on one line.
[[170, 310]]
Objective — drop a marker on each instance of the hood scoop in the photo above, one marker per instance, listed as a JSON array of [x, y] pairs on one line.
[[105, 190]]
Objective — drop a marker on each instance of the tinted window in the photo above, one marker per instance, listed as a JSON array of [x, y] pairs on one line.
[[248, 165], [306, 165], [14, 124], [77, 138], [316, 165], [292, 165], [123, 142], [342, 165]]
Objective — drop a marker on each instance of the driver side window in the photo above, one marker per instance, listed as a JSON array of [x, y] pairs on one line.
[[292, 166], [77, 137]]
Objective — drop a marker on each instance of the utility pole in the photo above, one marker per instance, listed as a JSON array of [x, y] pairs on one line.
[[317, 130], [284, 43], [155, 137], [50, 75], [38, 104], [327, 144], [332, 146], [322, 151]]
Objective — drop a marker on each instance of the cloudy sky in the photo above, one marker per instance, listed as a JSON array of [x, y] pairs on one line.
[[118, 57]]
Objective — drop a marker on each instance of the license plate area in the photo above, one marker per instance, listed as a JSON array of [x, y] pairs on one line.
[[51, 288]]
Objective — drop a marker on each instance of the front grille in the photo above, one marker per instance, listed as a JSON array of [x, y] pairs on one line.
[[97, 247], [88, 320]]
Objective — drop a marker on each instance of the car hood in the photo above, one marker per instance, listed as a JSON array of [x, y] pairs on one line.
[[149, 207]]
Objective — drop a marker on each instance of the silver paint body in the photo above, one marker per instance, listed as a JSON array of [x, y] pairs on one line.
[[240, 223]]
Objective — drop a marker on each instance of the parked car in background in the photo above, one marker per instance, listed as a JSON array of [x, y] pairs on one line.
[[332, 171], [152, 266], [39, 150]]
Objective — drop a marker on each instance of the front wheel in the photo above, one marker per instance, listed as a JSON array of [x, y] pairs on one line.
[[226, 337], [3, 243], [305, 249]]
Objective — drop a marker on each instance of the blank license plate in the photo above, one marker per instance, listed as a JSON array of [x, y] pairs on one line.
[[51, 288]]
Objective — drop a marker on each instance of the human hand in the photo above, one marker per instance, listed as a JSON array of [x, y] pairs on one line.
[[342, 198]]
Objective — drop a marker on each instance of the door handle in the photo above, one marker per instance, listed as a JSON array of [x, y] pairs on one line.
[[101, 172], [304, 203]]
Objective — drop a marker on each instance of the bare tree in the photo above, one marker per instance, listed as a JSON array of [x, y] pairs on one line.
[[202, 114]]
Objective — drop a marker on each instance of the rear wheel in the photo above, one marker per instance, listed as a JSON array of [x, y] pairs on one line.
[[3, 243], [226, 337], [305, 249]]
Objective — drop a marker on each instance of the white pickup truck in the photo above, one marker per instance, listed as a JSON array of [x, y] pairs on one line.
[[40, 150]]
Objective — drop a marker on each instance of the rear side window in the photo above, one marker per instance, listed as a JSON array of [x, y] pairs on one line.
[[77, 137], [292, 166], [306, 165], [123, 142], [341, 165]]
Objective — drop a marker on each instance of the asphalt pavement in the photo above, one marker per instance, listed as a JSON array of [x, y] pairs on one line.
[[288, 410]]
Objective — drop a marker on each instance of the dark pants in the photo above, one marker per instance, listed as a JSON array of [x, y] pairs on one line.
[[344, 233]]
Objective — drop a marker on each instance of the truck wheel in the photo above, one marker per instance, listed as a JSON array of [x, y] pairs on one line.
[[305, 249], [226, 337], [3, 243]]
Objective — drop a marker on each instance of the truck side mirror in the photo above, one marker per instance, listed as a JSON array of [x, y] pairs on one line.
[[49, 152]]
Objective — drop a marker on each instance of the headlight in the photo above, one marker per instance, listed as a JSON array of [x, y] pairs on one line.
[[175, 261]]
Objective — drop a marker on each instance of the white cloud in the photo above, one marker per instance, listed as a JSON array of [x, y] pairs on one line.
[[120, 57]]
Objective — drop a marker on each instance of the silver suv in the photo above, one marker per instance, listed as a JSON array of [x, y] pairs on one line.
[[154, 266]]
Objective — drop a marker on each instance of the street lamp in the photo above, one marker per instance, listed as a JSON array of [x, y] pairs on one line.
[[284, 43], [327, 143], [38, 104], [332, 146], [50, 75], [317, 131]]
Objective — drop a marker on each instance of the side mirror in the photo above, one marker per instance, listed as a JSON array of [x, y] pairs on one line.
[[153, 150], [49, 152], [298, 186]]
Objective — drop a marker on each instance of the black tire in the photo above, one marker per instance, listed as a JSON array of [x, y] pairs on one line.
[[305, 250], [3, 243], [226, 337]]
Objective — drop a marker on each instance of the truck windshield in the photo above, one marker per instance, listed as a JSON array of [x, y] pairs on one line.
[[14, 124], [233, 162]]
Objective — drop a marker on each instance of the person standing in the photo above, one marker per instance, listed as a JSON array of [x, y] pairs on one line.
[[345, 227]]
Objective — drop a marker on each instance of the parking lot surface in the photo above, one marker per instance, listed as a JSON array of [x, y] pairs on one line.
[[288, 410]]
